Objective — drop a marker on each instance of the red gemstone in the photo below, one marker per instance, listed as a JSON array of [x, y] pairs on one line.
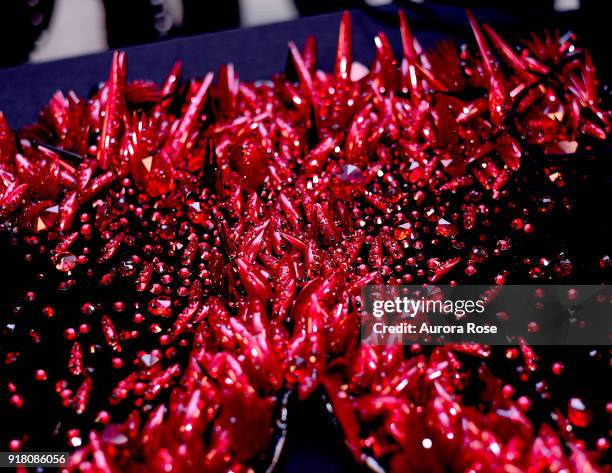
[[578, 413], [161, 306], [65, 262]]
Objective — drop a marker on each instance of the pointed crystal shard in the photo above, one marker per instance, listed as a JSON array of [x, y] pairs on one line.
[[147, 163], [40, 225]]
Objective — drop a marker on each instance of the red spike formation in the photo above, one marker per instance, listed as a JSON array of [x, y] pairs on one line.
[[344, 54], [497, 94], [112, 116], [216, 238]]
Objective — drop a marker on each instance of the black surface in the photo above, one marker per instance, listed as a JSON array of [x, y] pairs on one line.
[[314, 440]]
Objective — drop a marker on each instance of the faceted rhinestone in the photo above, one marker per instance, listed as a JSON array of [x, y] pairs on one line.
[[65, 262], [161, 306], [403, 231], [47, 218], [351, 174], [446, 229], [149, 359], [578, 413]]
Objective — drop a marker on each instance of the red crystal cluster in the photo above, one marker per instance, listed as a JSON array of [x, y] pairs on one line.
[[216, 237]]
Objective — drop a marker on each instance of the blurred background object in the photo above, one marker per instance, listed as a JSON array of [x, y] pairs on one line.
[[42, 30], [21, 23], [76, 27]]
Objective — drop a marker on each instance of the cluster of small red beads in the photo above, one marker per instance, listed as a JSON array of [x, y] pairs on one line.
[[216, 237]]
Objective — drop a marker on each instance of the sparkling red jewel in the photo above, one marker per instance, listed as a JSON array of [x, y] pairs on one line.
[[161, 306], [65, 262], [578, 413]]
